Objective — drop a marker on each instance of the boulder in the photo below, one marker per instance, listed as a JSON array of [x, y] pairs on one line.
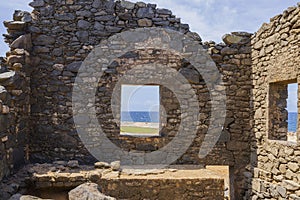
[[88, 191]]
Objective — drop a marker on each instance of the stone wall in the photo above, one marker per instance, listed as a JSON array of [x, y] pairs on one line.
[[276, 62], [54, 181], [63, 34], [15, 97]]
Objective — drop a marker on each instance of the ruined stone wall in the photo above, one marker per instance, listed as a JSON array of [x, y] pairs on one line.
[[63, 33], [276, 62], [15, 97], [233, 59]]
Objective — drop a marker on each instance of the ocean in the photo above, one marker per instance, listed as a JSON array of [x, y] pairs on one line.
[[292, 122], [139, 116]]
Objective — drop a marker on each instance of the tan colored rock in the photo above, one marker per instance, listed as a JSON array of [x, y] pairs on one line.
[[15, 25], [88, 191], [145, 22], [290, 185], [293, 167], [22, 42], [232, 39]]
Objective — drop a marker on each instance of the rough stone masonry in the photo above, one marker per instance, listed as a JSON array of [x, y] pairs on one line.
[[49, 44]]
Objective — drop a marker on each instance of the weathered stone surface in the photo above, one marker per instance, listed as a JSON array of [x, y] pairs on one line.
[[127, 5], [74, 67], [7, 75], [25, 197], [232, 39], [99, 26], [73, 164], [145, 22], [229, 51], [116, 165], [22, 16], [83, 36], [164, 11], [195, 36], [15, 25], [22, 42], [145, 13], [37, 3], [96, 4], [293, 166], [44, 40], [83, 24], [102, 165], [281, 191], [290, 185], [191, 75], [88, 191], [84, 13], [65, 17]]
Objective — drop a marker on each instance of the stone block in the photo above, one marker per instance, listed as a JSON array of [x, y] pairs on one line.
[[128, 5], [14, 25], [294, 167], [229, 51], [290, 185], [83, 24], [43, 40], [145, 13], [281, 191], [22, 42], [37, 3], [145, 22]]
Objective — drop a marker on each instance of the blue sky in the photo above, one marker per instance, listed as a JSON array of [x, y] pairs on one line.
[[210, 18], [140, 98], [292, 100]]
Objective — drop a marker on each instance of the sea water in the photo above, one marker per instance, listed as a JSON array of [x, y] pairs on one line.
[[140, 116], [292, 122]]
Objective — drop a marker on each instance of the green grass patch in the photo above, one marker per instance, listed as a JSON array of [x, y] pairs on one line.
[[134, 129]]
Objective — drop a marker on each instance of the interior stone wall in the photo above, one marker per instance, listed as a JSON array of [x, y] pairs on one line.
[[276, 60]]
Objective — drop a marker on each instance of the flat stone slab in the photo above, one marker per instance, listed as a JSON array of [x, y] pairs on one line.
[[7, 75]]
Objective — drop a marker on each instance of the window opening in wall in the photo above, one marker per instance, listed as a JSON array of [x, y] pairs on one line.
[[292, 109], [283, 109], [140, 110]]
